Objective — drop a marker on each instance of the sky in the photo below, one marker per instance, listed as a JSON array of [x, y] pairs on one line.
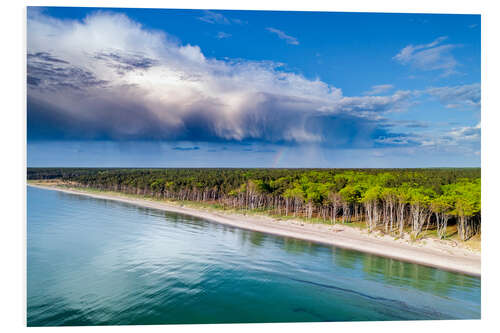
[[211, 88]]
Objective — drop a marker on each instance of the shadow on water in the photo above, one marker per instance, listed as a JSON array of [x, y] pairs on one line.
[[423, 278], [383, 304], [298, 246], [346, 258], [256, 239]]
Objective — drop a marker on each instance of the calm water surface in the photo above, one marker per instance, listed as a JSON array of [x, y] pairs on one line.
[[99, 262]]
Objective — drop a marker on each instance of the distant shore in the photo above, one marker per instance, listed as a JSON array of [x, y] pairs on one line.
[[429, 252]]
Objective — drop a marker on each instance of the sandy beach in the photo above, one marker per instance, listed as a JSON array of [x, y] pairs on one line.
[[429, 252]]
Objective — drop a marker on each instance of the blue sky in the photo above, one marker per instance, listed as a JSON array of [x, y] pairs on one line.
[[173, 88]]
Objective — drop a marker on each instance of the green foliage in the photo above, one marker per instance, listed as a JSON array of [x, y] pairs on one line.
[[421, 196], [454, 192], [372, 194], [295, 193], [442, 204], [351, 194], [464, 196]]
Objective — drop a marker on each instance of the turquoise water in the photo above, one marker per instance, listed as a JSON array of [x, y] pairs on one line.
[[99, 262]]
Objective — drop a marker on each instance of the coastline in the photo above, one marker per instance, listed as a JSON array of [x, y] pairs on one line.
[[430, 252]]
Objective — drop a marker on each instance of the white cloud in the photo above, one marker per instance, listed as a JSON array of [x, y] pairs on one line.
[[214, 18], [465, 139], [218, 18], [282, 35], [464, 96], [372, 106], [430, 57], [379, 89], [466, 134], [397, 140], [222, 35]]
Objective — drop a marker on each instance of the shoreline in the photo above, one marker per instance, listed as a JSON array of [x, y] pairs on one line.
[[430, 252]]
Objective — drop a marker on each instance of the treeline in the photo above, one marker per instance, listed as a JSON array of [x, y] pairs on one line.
[[392, 200]]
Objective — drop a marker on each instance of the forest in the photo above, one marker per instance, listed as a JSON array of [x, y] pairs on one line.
[[394, 201]]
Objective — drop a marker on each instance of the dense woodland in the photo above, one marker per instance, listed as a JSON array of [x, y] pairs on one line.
[[392, 200]]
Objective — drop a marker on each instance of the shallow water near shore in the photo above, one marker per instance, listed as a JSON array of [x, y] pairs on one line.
[[101, 262]]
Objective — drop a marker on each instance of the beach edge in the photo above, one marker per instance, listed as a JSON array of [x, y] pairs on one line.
[[435, 255]]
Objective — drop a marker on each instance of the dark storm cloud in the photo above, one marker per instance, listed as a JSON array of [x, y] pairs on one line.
[[46, 57], [274, 120], [110, 120], [49, 72], [347, 131], [34, 81], [124, 62]]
